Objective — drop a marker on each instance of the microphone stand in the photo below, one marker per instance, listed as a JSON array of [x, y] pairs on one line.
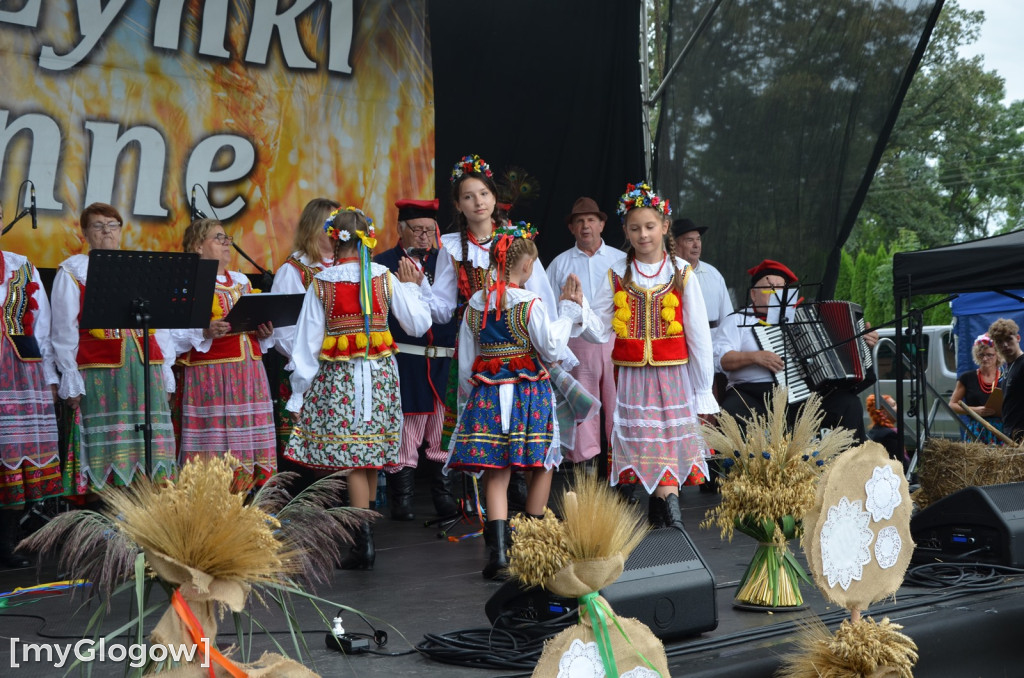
[[24, 213], [267, 278]]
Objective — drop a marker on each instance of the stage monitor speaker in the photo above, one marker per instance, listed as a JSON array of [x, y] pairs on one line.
[[665, 584], [975, 525]]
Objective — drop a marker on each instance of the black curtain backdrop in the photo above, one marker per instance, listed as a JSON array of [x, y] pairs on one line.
[[773, 126], [549, 87]]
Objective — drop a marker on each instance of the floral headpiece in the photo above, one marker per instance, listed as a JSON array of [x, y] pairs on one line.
[[335, 233], [470, 164], [984, 340], [642, 195], [519, 229]]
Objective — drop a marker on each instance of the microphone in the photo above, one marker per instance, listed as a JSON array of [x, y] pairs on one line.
[[196, 212], [32, 207]]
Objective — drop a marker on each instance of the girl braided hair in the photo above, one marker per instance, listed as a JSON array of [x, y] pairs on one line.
[[638, 196], [511, 243], [470, 167]]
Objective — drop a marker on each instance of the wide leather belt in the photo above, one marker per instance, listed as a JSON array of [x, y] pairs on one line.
[[426, 351]]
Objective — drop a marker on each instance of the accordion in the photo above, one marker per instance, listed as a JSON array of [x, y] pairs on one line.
[[822, 349]]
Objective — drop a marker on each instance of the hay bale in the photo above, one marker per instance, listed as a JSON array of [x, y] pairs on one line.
[[948, 466]]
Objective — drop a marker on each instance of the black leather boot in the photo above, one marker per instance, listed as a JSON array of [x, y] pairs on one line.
[[656, 512], [517, 492], [362, 553], [496, 539], [673, 513], [9, 538], [400, 489], [441, 491], [627, 491]]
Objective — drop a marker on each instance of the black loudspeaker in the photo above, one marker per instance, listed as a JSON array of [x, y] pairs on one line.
[[665, 584], [976, 525]]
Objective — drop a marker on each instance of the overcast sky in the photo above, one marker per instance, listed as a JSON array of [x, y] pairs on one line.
[[1000, 43]]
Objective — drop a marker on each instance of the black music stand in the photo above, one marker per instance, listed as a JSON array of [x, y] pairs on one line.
[[148, 290]]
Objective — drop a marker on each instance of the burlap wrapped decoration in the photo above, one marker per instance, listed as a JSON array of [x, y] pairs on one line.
[[581, 650]]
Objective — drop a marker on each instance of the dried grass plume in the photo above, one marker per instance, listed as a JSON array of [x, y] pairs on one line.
[[861, 649]]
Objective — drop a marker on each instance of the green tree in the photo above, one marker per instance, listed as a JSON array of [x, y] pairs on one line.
[[845, 279], [953, 168]]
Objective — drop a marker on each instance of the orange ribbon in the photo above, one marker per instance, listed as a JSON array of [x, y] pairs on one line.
[[195, 631]]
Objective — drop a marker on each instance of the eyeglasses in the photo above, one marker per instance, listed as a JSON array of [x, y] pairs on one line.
[[988, 355], [98, 226], [222, 238], [421, 230]]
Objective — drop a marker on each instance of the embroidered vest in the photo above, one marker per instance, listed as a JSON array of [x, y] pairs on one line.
[[105, 348], [231, 348], [648, 324], [476, 279], [344, 333], [18, 314], [506, 353], [306, 273]]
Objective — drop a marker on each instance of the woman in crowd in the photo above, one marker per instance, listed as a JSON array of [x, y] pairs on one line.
[[102, 377], [345, 383], [29, 459], [975, 387], [225, 397], [663, 358], [506, 401]]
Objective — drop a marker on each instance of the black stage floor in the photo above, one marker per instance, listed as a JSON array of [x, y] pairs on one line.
[[425, 585]]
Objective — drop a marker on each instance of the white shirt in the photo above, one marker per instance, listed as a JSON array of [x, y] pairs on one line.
[[735, 333], [592, 270], [41, 316], [406, 306], [716, 294], [65, 301], [288, 280], [700, 363]]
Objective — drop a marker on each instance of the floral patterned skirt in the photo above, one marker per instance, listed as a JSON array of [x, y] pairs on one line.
[[104, 445], [655, 434], [330, 435], [226, 407], [479, 442], [29, 458]]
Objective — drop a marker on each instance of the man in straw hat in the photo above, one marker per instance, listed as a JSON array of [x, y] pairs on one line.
[[423, 364], [590, 259]]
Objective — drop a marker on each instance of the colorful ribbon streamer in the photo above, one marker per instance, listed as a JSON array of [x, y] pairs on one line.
[[599, 613], [195, 632]]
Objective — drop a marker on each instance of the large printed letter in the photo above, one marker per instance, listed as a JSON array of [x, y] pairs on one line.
[[341, 36], [94, 19], [45, 157], [264, 20], [205, 157], [107, 147], [26, 16]]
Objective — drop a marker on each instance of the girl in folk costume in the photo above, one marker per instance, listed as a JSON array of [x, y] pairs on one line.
[[225, 397], [508, 420], [464, 260], [663, 359], [29, 460], [345, 382], [313, 252], [101, 377]]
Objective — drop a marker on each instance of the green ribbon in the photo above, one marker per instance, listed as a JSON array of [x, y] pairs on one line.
[[599, 613]]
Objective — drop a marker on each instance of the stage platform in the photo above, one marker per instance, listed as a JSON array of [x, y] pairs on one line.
[[425, 585]]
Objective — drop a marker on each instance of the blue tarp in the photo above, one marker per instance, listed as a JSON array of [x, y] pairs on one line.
[[974, 312]]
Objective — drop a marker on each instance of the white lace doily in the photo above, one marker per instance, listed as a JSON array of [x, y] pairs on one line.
[[883, 493], [583, 660], [845, 538], [887, 547]]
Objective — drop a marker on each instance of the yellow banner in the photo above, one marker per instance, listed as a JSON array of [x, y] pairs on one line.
[[253, 109]]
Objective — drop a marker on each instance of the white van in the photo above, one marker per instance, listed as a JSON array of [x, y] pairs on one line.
[[939, 346]]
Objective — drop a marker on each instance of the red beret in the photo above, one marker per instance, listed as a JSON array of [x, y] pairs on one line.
[[771, 267], [417, 209]]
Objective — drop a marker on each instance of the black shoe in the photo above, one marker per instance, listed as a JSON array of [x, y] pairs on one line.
[[441, 492], [517, 492], [628, 492], [362, 553], [400, 488], [496, 539], [673, 513], [656, 512], [9, 537]]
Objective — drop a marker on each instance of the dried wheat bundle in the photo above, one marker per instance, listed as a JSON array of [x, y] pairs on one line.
[[861, 649]]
